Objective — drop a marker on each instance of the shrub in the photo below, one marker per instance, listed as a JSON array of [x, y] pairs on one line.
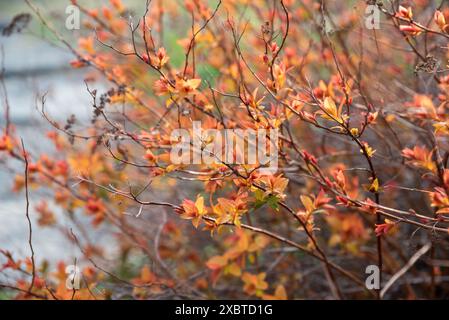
[[361, 153]]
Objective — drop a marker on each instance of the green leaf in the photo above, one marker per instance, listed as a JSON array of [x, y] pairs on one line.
[[273, 203]]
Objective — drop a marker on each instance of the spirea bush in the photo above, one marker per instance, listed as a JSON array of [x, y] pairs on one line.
[[345, 101]]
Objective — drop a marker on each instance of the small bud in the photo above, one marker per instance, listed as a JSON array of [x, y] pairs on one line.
[[265, 59], [404, 12], [146, 58], [371, 118], [412, 29]]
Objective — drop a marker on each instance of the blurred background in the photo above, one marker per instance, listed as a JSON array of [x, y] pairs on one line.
[[35, 63]]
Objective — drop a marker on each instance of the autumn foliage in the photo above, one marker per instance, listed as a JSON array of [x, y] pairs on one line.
[[362, 179]]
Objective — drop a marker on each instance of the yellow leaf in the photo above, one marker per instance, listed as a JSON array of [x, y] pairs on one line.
[[234, 269], [331, 111], [307, 203], [374, 186], [369, 151], [280, 184], [199, 204]]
